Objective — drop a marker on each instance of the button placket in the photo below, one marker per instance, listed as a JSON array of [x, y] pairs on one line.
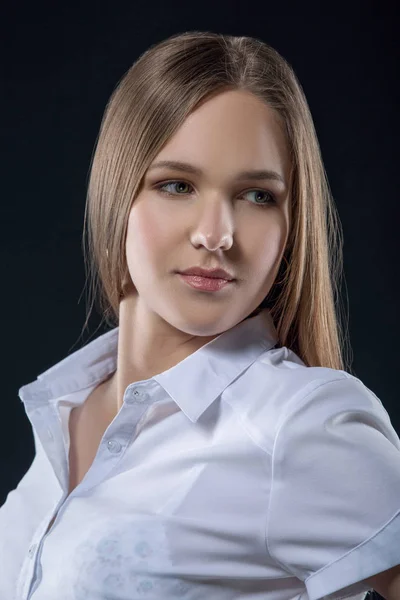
[[114, 446], [137, 396], [134, 396]]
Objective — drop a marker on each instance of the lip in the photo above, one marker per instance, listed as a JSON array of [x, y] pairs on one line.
[[209, 273], [205, 284]]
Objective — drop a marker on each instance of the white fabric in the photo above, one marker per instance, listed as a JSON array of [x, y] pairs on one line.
[[239, 473]]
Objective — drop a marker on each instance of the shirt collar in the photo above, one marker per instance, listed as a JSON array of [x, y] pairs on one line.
[[194, 383]]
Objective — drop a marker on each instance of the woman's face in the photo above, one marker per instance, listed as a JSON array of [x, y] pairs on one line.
[[214, 217]]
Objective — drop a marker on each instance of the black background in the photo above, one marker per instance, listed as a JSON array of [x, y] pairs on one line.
[[59, 65]]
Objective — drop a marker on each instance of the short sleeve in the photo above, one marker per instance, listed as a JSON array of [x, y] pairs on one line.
[[334, 511]]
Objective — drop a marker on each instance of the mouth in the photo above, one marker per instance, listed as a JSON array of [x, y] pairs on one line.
[[216, 273], [206, 284]]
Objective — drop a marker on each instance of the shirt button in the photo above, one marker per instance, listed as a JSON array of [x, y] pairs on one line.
[[31, 550], [137, 396], [114, 446]]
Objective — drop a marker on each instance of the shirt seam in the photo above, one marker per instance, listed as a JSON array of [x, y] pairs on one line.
[[366, 541], [282, 421]]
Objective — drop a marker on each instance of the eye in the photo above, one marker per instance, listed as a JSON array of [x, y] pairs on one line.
[[267, 202], [269, 198], [162, 187]]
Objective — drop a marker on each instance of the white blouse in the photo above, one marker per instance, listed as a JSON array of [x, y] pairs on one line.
[[239, 473]]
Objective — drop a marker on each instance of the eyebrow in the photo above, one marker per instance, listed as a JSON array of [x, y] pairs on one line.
[[244, 175]]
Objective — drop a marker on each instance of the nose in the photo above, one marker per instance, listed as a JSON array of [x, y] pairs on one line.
[[214, 227]]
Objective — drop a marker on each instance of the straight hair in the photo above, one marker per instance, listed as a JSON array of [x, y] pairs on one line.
[[149, 104]]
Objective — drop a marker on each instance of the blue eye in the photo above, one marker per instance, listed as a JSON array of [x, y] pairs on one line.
[[271, 200]]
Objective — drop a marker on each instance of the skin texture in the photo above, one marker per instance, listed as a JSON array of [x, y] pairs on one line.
[[209, 220]]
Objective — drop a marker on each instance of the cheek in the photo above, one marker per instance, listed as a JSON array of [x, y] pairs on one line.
[[147, 234], [266, 245]]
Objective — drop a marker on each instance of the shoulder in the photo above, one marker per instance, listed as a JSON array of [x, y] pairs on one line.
[[278, 384]]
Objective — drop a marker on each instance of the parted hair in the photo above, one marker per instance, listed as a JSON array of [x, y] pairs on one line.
[[151, 101]]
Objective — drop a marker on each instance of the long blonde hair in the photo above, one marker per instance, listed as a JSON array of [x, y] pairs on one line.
[[149, 104]]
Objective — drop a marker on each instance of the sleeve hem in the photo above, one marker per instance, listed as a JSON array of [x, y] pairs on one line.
[[376, 554]]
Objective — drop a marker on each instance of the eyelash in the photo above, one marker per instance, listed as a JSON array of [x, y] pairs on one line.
[[160, 187]]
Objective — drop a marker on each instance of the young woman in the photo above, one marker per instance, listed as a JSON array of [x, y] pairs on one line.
[[212, 444]]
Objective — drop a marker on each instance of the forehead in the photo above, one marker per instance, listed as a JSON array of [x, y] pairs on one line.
[[233, 130]]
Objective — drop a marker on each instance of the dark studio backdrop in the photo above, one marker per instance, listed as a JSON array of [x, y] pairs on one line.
[[59, 66]]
